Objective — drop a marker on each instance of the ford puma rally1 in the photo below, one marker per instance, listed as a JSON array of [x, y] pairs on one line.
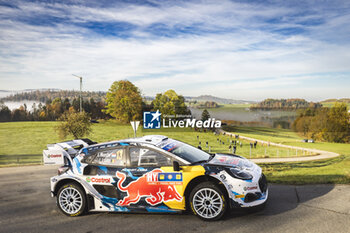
[[156, 174]]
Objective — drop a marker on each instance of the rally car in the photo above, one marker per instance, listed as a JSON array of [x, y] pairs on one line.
[[156, 174]]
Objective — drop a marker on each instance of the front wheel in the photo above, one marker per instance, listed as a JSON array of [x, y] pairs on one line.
[[208, 202], [71, 200]]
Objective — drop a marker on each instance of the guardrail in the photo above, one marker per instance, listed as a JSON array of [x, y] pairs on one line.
[[21, 159]]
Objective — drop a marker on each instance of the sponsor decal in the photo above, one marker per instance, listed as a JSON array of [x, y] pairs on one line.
[[170, 146], [152, 120], [156, 185], [250, 188], [223, 177], [171, 178], [98, 180], [227, 160], [237, 195], [138, 169], [54, 156]]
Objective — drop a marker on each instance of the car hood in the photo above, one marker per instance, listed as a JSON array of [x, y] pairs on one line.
[[229, 160]]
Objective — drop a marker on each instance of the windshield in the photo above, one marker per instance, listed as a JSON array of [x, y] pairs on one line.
[[186, 152]]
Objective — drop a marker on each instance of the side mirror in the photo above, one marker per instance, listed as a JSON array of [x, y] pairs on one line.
[[176, 166]]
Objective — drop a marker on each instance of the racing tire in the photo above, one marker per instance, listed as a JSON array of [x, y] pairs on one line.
[[71, 200], [208, 202]]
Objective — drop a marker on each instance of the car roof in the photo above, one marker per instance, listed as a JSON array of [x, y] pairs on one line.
[[148, 139]]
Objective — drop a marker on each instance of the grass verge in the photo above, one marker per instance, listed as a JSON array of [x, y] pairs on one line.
[[23, 142], [336, 170]]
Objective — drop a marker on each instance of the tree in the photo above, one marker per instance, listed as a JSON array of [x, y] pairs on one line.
[[74, 123], [19, 114], [337, 123], [124, 101], [5, 113], [170, 103], [66, 104], [331, 125], [205, 115]]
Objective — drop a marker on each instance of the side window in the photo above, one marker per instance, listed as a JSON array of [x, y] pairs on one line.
[[146, 157], [114, 157]]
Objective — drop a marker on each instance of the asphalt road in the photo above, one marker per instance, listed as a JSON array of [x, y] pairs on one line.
[[26, 206]]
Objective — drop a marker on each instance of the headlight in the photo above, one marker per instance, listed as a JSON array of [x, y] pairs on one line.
[[239, 174]]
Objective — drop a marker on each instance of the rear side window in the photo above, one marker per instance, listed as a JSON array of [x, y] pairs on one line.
[[146, 157], [115, 157]]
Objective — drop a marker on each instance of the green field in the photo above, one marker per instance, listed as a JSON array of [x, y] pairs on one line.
[[331, 104], [231, 106], [335, 170], [23, 142]]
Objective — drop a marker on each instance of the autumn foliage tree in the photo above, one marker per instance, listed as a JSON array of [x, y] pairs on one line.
[[328, 124], [170, 103], [124, 101], [74, 123]]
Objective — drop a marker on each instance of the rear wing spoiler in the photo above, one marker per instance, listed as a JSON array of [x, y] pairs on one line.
[[56, 153]]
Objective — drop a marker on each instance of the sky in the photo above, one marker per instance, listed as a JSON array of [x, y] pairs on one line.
[[248, 50]]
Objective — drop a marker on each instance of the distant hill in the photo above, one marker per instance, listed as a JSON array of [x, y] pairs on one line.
[[43, 95], [6, 93], [344, 100], [284, 104], [210, 98]]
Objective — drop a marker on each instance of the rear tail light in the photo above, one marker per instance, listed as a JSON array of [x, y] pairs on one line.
[[62, 169]]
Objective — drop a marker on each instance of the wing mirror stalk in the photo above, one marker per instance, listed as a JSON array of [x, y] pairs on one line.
[[176, 166]]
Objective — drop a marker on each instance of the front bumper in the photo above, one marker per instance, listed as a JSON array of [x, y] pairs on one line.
[[248, 193]]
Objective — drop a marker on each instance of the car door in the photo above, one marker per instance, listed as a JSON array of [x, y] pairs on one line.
[[101, 170], [148, 181]]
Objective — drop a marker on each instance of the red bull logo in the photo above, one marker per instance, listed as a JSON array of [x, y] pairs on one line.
[[149, 185]]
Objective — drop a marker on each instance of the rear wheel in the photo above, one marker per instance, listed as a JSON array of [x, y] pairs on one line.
[[208, 202], [71, 200]]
